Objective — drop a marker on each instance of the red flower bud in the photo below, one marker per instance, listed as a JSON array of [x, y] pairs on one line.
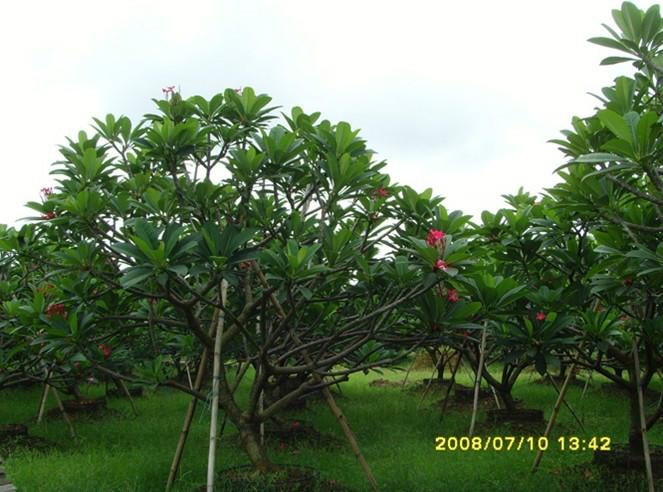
[[440, 265], [106, 350], [540, 316], [452, 295]]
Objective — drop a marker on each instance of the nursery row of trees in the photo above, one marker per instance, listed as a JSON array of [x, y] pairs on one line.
[[217, 230]]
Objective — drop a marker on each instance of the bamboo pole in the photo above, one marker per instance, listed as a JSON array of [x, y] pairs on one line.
[[408, 371], [215, 392], [589, 380], [261, 397], [430, 380], [42, 404], [643, 420], [553, 416], [497, 400], [125, 390], [566, 403], [451, 384], [191, 410], [44, 397], [329, 398], [72, 431], [188, 374], [477, 383]]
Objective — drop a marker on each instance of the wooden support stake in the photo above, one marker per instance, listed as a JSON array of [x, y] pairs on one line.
[[216, 382], [497, 400], [72, 431], [477, 383], [553, 416], [125, 390], [566, 403], [430, 380], [643, 420], [42, 403], [408, 371]]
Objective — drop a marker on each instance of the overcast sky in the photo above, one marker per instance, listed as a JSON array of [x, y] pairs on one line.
[[457, 96]]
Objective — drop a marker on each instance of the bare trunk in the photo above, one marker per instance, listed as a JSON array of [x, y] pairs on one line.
[[255, 451], [506, 398]]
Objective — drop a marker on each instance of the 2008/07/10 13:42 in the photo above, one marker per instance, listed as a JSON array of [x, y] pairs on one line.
[[520, 443]]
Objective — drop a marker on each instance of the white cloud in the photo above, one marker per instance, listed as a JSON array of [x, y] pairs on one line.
[[458, 96]]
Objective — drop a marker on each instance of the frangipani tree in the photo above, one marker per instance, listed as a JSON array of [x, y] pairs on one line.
[[320, 253], [613, 184]]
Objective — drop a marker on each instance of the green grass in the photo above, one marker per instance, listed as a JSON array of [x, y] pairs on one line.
[[395, 431]]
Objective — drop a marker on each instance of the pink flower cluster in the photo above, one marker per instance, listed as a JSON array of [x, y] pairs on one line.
[[168, 90], [46, 191], [56, 310], [435, 238], [452, 295]]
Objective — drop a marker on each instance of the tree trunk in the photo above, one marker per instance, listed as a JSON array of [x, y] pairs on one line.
[[506, 398], [256, 452]]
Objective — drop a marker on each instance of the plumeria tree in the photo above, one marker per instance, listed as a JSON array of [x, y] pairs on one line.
[[280, 244], [613, 185]]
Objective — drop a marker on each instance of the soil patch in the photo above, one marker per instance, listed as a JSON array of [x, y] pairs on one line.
[[523, 421], [293, 434], [465, 393], [574, 381], [135, 392], [286, 479], [8, 431], [586, 477], [84, 409], [620, 458], [14, 437], [384, 383]]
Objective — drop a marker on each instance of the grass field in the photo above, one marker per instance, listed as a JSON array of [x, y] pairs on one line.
[[396, 433]]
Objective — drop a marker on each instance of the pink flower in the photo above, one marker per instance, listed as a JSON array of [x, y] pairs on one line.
[[168, 90], [48, 216], [381, 192], [46, 191], [540, 316], [452, 295], [440, 265], [56, 310], [434, 237], [239, 91]]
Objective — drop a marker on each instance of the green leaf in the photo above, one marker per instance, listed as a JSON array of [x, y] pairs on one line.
[[135, 275], [609, 43], [616, 124], [614, 60]]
